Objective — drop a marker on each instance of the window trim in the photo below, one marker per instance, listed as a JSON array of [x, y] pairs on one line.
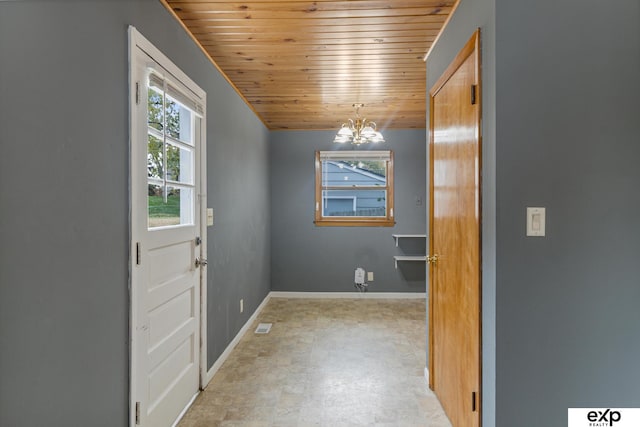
[[387, 221]]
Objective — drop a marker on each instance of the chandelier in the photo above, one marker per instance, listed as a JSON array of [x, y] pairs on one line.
[[362, 131]]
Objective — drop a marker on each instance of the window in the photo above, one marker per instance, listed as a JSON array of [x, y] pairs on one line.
[[172, 119], [354, 188]]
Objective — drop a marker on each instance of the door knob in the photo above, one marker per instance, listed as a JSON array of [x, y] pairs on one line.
[[200, 262], [432, 259]]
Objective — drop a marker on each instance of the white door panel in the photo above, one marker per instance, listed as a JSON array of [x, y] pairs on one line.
[[170, 372], [166, 142], [165, 291], [169, 317], [171, 262]]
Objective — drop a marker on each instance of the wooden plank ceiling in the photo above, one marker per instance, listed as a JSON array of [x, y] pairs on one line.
[[303, 64]]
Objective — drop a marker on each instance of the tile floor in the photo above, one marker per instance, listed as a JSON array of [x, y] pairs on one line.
[[338, 362]]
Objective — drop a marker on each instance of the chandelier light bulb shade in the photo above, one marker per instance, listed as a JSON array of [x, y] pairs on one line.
[[345, 132], [360, 131]]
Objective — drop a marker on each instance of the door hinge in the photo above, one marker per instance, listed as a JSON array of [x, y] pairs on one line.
[[474, 405], [137, 93], [137, 413], [473, 94], [137, 253]]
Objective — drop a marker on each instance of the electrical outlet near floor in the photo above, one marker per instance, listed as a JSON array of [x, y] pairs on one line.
[[370, 276], [241, 305]]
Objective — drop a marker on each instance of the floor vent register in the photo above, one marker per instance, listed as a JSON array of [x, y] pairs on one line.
[[263, 328]]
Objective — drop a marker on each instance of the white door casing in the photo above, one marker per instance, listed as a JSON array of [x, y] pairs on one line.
[[167, 318]]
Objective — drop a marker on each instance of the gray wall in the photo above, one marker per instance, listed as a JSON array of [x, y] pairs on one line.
[[470, 16], [560, 130], [568, 317], [64, 205], [306, 258]]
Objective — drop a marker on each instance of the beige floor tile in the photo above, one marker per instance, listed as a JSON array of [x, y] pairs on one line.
[[348, 362]]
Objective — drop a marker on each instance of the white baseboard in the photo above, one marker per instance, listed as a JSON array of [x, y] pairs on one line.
[[186, 408], [227, 351], [335, 295]]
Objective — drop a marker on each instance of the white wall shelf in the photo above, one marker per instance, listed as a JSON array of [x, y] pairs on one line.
[[408, 236], [414, 258]]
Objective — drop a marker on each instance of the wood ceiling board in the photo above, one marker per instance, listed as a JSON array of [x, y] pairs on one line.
[[356, 83], [318, 29], [302, 64], [258, 15], [306, 6], [389, 3], [371, 69], [236, 47], [293, 23], [319, 38], [334, 55]]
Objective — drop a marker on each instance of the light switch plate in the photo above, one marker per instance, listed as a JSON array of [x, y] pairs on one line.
[[536, 222], [370, 276], [209, 216]]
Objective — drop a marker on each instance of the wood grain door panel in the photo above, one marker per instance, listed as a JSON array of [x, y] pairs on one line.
[[454, 223]]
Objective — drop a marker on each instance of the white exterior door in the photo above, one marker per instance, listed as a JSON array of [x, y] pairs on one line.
[[167, 262]]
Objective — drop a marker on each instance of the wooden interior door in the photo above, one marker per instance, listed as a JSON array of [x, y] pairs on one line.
[[454, 238]]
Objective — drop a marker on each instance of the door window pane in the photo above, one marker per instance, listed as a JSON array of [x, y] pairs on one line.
[[154, 104], [170, 157], [154, 158], [178, 121], [173, 207], [179, 162], [164, 209]]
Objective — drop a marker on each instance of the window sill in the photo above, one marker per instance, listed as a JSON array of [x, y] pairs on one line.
[[354, 223]]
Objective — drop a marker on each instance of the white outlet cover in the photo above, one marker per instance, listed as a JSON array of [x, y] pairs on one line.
[[370, 276], [209, 216]]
